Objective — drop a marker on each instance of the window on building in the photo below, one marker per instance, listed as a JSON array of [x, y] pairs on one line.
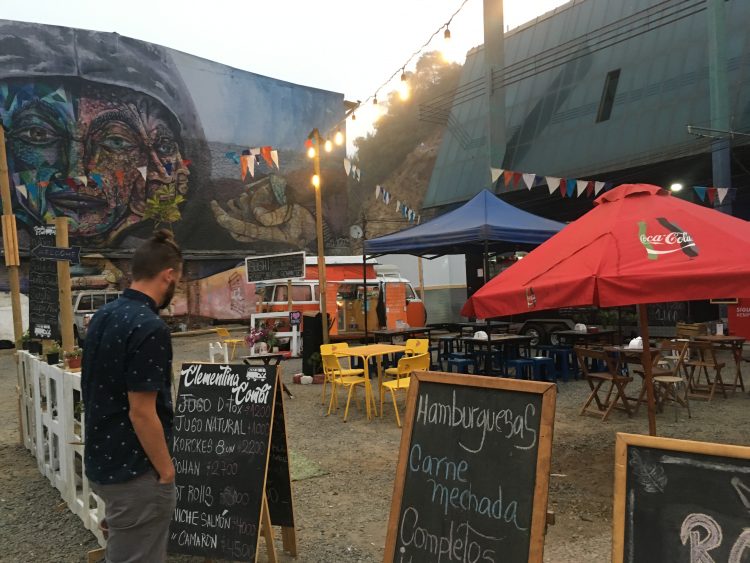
[[608, 96]]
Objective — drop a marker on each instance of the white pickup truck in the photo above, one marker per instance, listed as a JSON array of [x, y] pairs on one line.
[[85, 304]]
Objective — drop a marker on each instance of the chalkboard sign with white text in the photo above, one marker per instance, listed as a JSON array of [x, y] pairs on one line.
[[222, 432], [275, 267], [44, 298], [680, 501], [473, 470]]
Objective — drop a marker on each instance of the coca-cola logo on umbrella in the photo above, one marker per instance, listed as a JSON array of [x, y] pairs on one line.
[[668, 240]]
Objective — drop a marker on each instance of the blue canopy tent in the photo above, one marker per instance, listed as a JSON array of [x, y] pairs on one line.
[[485, 223]]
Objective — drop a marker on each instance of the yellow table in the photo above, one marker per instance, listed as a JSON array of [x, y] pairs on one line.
[[376, 351]]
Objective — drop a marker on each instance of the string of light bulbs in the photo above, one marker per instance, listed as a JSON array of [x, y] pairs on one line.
[[403, 88]]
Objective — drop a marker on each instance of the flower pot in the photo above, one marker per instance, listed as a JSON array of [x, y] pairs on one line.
[[74, 363], [35, 348], [275, 349], [53, 359], [261, 348]]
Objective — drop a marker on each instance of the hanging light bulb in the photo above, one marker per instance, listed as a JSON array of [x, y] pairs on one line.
[[311, 152], [338, 138], [447, 35], [375, 100], [447, 45], [316, 180], [354, 117], [403, 86], [328, 145]]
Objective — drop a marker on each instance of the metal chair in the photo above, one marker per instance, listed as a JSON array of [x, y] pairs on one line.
[[227, 339]]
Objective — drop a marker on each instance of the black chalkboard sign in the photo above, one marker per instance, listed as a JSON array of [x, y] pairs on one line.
[[473, 470], [44, 298], [275, 267], [680, 501], [222, 434], [278, 482]]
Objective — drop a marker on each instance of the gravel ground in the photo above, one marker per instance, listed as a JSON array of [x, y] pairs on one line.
[[342, 515]]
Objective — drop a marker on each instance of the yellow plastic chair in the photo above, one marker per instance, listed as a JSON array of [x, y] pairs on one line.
[[406, 366], [337, 375], [326, 350], [227, 338], [414, 347]]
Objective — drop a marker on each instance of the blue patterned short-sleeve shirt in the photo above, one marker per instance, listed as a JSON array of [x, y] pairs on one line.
[[128, 348]]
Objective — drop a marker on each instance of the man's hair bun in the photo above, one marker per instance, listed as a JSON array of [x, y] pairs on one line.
[[163, 235]]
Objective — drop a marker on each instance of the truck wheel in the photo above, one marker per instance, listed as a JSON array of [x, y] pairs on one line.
[[537, 332], [553, 338]]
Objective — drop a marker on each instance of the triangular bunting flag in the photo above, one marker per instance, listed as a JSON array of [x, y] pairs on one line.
[[722, 193], [552, 183], [516, 178], [377, 191], [358, 174], [528, 179], [308, 143], [21, 188], [265, 152], [571, 188], [608, 186], [711, 195], [507, 178], [701, 191], [598, 186], [398, 205], [347, 166], [581, 187], [251, 166], [243, 165], [142, 170], [275, 158], [255, 151], [590, 189], [495, 174]]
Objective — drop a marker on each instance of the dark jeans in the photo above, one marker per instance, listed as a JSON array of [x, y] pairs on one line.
[[137, 515]]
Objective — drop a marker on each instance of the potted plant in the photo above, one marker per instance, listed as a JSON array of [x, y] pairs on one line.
[[53, 353], [73, 358]]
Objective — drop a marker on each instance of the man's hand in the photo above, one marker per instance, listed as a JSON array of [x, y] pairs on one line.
[[150, 433]]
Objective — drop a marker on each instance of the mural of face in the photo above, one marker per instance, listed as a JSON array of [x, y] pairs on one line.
[[91, 152]]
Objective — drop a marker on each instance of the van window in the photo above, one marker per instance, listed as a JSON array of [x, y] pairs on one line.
[[85, 303], [410, 293], [98, 300], [281, 294], [301, 293]]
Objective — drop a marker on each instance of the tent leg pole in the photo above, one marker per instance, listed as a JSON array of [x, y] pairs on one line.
[[647, 374]]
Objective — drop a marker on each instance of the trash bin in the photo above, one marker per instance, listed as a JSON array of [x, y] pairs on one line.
[[312, 338]]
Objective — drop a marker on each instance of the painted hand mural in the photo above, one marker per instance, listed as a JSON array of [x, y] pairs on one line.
[[266, 214]]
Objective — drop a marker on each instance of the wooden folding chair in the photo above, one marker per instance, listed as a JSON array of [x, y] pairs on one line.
[[665, 372], [702, 359], [591, 359]]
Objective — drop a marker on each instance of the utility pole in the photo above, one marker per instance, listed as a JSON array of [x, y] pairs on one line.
[[718, 83], [494, 57], [10, 244], [317, 184]]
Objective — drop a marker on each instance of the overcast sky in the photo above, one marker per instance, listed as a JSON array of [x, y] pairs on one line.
[[348, 46]]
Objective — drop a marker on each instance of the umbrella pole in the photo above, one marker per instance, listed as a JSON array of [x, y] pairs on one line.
[[647, 374]]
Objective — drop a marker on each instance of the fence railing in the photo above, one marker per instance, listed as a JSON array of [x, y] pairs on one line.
[[53, 431]]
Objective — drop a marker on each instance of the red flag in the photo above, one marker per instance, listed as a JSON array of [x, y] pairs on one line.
[[590, 189], [266, 154], [516, 178], [508, 178], [563, 187], [308, 143], [711, 195]]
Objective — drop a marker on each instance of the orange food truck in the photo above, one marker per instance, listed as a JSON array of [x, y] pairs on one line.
[[391, 299]]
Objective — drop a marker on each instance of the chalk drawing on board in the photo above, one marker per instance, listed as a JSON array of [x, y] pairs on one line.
[[650, 476], [741, 489], [711, 466]]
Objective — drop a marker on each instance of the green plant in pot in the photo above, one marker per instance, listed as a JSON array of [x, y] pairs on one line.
[[73, 358], [53, 353]]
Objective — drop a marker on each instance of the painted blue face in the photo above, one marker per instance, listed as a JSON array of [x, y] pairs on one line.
[[90, 152]]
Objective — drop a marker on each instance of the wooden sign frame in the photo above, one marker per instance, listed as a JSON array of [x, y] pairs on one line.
[[622, 442], [544, 451]]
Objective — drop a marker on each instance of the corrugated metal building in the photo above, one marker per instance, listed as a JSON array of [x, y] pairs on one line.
[[601, 90]]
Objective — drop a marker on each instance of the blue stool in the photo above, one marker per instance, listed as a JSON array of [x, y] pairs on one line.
[[544, 349], [523, 368], [561, 356], [462, 364], [546, 364]]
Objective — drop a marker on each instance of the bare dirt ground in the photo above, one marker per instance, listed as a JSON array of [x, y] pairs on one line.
[[342, 514]]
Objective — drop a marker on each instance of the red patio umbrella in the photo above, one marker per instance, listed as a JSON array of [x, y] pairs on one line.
[[638, 245]]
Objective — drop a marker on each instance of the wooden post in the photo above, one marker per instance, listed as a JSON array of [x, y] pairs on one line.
[[648, 379], [321, 242], [64, 289], [267, 530], [10, 244], [289, 294], [421, 278]]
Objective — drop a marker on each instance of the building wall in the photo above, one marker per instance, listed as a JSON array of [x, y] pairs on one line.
[[97, 123]]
